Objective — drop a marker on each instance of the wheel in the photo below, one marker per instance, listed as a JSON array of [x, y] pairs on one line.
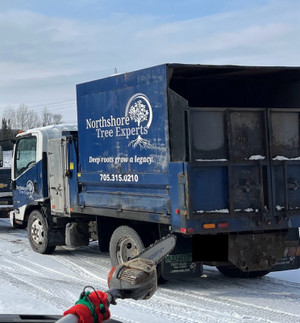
[[232, 271], [37, 230], [125, 243]]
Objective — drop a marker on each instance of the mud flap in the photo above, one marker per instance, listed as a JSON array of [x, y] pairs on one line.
[[77, 234], [180, 262], [255, 252]]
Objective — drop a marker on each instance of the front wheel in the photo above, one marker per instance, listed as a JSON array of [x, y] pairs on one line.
[[232, 271], [125, 244], [38, 233]]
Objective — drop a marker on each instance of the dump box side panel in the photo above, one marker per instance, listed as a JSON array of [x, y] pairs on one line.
[[123, 147]]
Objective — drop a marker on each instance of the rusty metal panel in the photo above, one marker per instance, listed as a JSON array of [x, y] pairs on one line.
[[247, 134], [285, 160]]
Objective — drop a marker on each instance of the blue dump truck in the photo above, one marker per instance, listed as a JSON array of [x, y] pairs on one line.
[[210, 153]]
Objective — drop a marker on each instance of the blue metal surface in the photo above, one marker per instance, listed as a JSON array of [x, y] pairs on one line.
[[209, 187], [123, 142], [30, 186]]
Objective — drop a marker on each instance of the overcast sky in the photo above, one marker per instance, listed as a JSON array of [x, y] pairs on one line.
[[49, 46]]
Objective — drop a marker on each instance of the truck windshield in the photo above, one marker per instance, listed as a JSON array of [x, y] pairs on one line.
[[25, 154]]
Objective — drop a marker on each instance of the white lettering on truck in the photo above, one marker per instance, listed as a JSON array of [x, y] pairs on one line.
[[138, 110]]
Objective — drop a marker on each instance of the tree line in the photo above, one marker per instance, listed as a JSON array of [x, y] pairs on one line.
[[23, 118]]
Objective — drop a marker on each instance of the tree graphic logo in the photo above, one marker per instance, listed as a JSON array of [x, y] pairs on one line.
[[140, 111]]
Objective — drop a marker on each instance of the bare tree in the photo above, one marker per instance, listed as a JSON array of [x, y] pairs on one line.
[[57, 118], [25, 118], [46, 117], [49, 118], [9, 114]]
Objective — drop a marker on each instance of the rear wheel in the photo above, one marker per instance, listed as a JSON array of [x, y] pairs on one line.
[[232, 271], [125, 244], [38, 233]]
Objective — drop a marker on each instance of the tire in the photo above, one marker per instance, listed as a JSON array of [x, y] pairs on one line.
[[125, 243], [232, 271], [37, 229]]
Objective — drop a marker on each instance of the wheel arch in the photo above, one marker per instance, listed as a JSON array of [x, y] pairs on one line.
[[35, 205]]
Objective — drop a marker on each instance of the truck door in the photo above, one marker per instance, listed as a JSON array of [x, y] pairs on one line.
[[27, 179], [58, 177]]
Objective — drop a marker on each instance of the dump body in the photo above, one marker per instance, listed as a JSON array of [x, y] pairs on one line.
[[191, 145]]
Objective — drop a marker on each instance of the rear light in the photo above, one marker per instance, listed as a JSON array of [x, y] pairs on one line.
[[209, 226], [187, 230], [222, 225], [219, 225]]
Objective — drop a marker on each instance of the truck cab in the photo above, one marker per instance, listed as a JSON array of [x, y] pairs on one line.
[[31, 180]]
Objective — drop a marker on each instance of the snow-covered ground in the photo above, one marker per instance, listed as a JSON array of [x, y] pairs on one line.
[[32, 283]]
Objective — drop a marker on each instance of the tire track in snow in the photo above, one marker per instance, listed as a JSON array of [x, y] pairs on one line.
[[214, 300], [85, 267], [36, 291]]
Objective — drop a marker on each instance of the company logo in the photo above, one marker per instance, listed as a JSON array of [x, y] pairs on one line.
[[135, 123], [139, 110], [27, 190]]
